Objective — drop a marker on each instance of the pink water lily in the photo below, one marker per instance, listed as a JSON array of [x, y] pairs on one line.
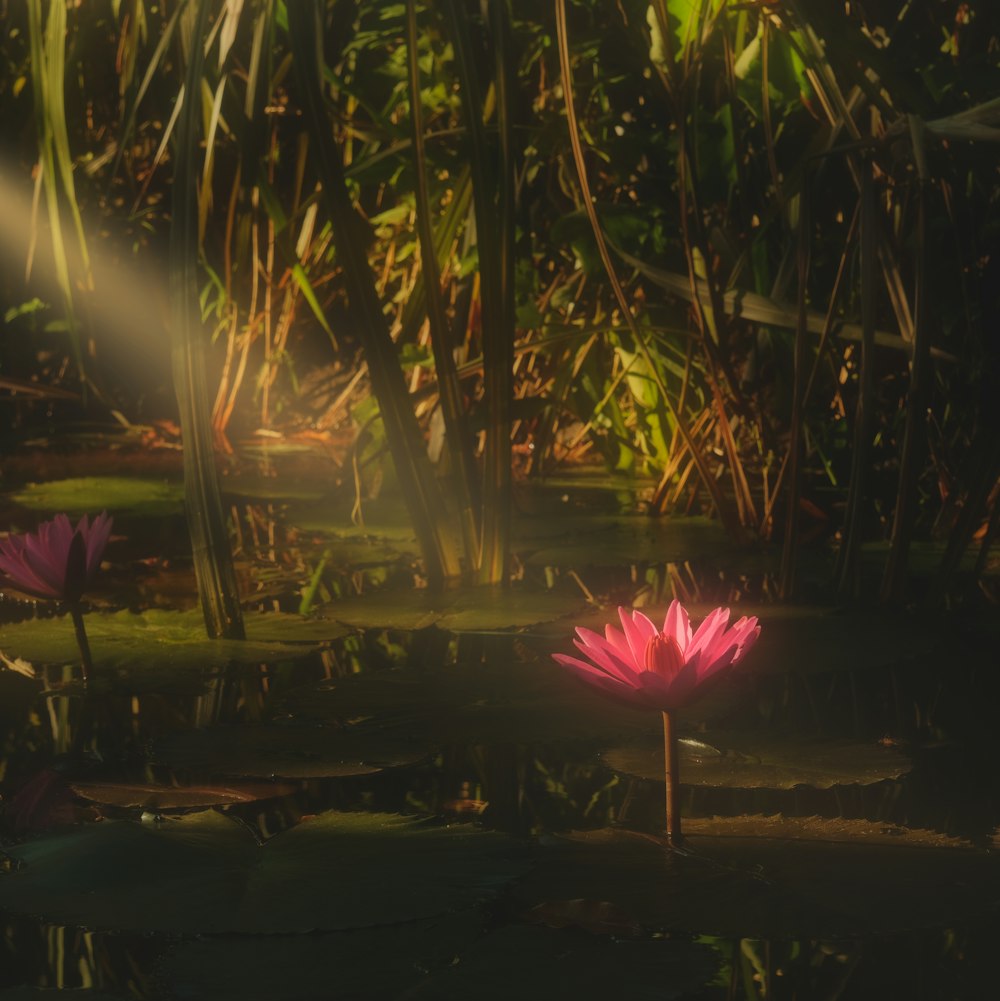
[[660, 668], [57, 561]]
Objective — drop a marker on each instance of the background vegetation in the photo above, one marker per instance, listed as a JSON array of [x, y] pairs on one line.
[[745, 249]]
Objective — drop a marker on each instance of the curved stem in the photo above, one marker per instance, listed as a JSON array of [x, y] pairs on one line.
[[81, 641], [671, 775]]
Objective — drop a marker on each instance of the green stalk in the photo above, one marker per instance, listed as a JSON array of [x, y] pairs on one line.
[[213, 559], [493, 201], [86, 661], [431, 520], [441, 338], [864, 417]]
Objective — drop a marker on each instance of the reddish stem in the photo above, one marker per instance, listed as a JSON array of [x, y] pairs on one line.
[[671, 774]]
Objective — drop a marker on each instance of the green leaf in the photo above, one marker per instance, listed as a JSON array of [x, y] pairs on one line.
[[159, 644], [776, 877], [763, 761], [206, 874], [136, 496]]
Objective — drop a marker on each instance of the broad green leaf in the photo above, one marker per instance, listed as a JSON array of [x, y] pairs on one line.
[[775, 877], [139, 496], [161, 798], [206, 874], [158, 641], [756, 761]]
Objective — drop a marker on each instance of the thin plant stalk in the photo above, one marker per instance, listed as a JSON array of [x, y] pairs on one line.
[[213, 558], [86, 662], [671, 777], [441, 339], [711, 484]]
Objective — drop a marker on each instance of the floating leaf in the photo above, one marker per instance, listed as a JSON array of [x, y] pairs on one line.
[[775, 877], [764, 761], [290, 751], [148, 498], [523, 703], [472, 610], [25, 993], [204, 873], [159, 641], [135, 795]]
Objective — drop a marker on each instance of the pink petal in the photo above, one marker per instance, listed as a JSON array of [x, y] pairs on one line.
[[97, 539], [678, 625], [616, 640], [608, 660], [638, 631], [709, 631], [592, 676]]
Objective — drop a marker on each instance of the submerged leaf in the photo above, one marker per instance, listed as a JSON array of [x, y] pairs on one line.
[[776, 877], [763, 761], [139, 496], [203, 873]]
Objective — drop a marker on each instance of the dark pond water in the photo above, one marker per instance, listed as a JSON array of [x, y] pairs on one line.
[[401, 796]]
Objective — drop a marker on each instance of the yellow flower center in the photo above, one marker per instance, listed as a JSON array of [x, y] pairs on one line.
[[664, 656]]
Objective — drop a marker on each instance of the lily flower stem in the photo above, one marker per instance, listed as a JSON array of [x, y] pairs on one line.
[[81, 640], [671, 774]]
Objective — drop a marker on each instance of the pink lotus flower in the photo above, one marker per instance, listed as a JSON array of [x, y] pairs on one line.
[[56, 562], [660, 668]]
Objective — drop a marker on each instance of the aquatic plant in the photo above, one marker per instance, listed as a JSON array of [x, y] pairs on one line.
[[662, 669], [56, 563]]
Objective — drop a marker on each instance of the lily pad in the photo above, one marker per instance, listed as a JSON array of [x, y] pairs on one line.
[[158, 640], [291, 751], [135, 795], [204, 873], [523, 703], [25, 993], [776, 877], [472, 610], [764, 761], [126, 495]]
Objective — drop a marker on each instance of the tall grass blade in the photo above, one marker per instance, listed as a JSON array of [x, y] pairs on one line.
[[431, 520], [213, 560], [857, 493], [442, 341]]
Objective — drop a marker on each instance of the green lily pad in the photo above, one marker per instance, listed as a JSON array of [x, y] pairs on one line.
[[776, 877], [159, 640], [513, 702], [764, 761], [158, 798], [204, 873], [471, 610], [138, 496], [271, 488], [291, 751]]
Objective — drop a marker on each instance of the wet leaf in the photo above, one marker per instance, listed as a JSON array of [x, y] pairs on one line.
[[162, 640], [290, 751], [134, 795], [471, 610], [204, 873], [764, 761], [148, 498], [775, 877]]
